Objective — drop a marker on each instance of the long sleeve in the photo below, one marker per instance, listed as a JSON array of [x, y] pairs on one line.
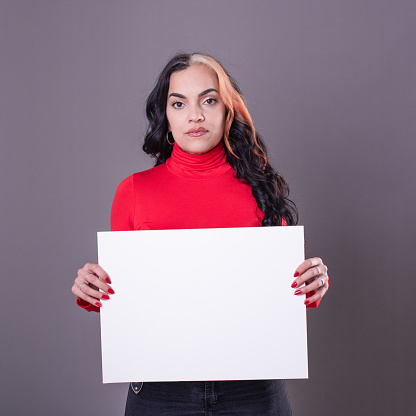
[[87, 306]]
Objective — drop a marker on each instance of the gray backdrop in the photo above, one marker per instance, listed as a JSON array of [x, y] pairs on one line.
[[330, 85]]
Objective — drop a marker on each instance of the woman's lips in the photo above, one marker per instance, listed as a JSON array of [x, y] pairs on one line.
[[196, 132]]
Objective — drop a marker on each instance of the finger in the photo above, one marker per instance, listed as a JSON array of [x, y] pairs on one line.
[[87, 280], [96, 294], [98, 271], [320, 293], [89, 274], [98, 283], [307, 264], [81, 294], [91, 290], [309, 275], [314, 285]]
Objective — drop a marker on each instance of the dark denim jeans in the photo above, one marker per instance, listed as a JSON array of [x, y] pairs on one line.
[[209, 398]]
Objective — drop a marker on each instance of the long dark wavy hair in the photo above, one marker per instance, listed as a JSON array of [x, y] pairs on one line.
[[245, 149]]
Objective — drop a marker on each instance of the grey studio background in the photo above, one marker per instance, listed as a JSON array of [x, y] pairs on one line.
[[331, 86]]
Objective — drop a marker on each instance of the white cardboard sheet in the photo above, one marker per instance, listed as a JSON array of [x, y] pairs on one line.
[[203, 304]]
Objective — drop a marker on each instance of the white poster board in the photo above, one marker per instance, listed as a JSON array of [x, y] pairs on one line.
[[203, 304]]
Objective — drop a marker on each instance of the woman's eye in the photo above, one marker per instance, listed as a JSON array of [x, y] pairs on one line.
[[177, 104], [211, 101]]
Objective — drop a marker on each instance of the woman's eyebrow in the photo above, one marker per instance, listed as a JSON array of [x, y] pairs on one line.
[[206, 92], [201, 94]]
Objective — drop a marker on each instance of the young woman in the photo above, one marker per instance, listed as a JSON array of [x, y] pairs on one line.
[[211, 171]]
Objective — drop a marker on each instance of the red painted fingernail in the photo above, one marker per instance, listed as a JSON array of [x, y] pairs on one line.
[[108, 280], [296, 274], [306, 302], [105, 297], [294, 284], [111, 291], [98, 304], [298, 292]]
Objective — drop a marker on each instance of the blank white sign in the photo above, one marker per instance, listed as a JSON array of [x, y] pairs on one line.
[[203, 304]]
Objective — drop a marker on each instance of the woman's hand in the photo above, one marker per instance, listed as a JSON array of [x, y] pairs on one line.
[[91, 284], [313, 273]]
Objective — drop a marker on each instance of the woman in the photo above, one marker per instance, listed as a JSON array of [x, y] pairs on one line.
[[211, 171]]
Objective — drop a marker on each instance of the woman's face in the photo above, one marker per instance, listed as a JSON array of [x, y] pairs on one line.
[[195, 111]]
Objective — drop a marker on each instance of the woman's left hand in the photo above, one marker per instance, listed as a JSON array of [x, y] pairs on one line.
[[313, 273]]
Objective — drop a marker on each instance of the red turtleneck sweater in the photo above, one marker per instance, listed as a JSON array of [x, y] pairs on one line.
[[188, 191]]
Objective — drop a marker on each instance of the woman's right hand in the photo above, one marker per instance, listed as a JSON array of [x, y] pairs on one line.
[[91, 284]]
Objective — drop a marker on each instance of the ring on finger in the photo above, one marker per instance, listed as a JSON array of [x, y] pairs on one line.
[[86, 278], [322, 280], [80, 286]]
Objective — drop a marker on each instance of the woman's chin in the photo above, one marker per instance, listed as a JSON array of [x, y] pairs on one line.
[[197, 148]]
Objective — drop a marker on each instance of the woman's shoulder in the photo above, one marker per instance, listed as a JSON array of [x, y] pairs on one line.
[[135, 186], [146, 175]]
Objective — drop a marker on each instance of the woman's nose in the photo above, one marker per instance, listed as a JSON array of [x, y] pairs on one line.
[[196, 115]]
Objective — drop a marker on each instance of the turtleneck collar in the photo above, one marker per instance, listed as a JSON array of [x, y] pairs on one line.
[[206, 166]]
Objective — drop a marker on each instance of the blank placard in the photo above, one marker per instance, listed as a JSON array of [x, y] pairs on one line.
[[204, 304]]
